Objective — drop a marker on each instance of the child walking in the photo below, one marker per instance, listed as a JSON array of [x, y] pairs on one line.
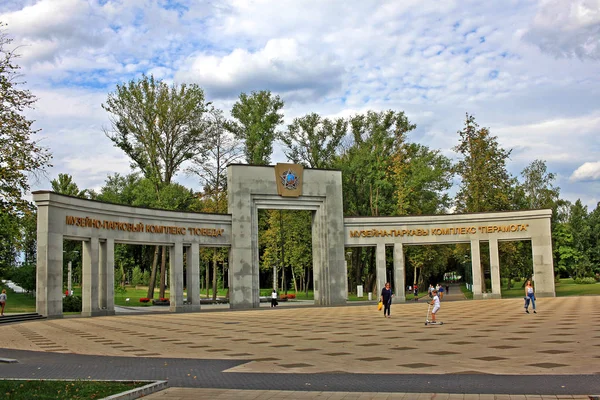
[[435, 302]]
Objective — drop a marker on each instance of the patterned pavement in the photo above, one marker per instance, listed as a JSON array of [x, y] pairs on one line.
[[488, 346]]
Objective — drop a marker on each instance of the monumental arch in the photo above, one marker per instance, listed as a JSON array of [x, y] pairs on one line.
[[251, 188]]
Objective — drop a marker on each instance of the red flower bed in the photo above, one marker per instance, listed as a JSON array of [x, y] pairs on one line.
[[163, 299], [287, 296], [144, 300]]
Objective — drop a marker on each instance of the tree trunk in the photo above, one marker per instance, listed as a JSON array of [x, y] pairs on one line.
[[294, 280], [163, 271], [153, 273], [214, 282]]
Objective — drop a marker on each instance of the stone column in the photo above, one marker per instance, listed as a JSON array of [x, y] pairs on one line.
[[495, 269], [90, 281], [176, 277], [399, 273], [107, 277], [543, 266], [476, 270], [381, 270], [193, 277], [49, 271], [70, 277]]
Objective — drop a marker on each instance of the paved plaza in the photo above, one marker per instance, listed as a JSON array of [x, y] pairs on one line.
[[484, 347]]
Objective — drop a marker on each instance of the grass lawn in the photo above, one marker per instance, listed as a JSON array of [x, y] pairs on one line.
[[27, 390]]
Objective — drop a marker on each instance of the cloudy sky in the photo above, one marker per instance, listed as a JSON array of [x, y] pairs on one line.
[[529, 70]]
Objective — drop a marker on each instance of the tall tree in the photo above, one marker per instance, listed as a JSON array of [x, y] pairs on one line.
[[20, 154], [365, 164], [485, 184], [313, 141], [538, 186], [223, 149], [422, 178], [256, 118], [159, 127]]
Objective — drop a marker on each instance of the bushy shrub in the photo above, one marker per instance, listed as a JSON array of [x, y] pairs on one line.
[[584, 281], [72, 304]]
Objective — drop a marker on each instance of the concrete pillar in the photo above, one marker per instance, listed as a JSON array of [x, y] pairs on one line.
[[70, 277], [381, 270], [107, 277], [193, 277], [49, 271], [495, 269], [543, 265], [90, 281], [399, 273], [176, 277], [476, 270]]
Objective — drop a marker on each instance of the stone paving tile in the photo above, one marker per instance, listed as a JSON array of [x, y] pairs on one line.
[[516, 343]]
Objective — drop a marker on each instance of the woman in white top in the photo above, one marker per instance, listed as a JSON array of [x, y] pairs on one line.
[[529, 297]]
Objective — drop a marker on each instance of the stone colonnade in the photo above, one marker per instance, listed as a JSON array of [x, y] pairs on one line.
[[464, 228], [99, 226]]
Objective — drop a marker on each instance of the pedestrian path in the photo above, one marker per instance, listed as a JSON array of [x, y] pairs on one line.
[[484, 347]]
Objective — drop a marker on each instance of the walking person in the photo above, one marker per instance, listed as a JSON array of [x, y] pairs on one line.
[[529, 297], [3, 300], [274, 298], [386, 299]]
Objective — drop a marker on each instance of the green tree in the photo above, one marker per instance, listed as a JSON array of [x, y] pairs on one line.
[[422, 178], [65, 185], [159, 127], [594, 239], [9, 242], [313, 141], [211, 168], [365, 162], [485, 184], [538, 186], [20, 154], [581, 232], [256, 118]]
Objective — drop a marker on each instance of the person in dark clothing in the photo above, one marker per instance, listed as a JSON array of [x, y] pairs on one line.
[[386, 299]]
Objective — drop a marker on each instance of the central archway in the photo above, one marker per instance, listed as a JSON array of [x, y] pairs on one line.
[[251, 188]]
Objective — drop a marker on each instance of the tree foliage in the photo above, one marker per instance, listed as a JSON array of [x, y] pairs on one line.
[[158, 126], [20, 154], [485, 184], [255, 120], [313, 141]]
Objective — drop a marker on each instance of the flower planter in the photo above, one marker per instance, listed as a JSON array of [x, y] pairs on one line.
[[160, 303]]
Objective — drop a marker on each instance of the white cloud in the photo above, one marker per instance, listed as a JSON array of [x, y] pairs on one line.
[[567, 28], [283, 65], [433, 60], [589, 171]]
